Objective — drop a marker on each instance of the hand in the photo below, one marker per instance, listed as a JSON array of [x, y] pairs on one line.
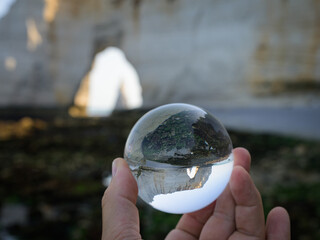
[[236, 214]]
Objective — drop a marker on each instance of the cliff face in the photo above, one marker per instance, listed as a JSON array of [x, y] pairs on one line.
[[209, 52]]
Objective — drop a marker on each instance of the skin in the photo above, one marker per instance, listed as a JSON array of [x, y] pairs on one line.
[[236, 214]]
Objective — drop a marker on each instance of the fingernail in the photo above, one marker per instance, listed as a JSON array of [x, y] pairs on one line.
[[114, 167]]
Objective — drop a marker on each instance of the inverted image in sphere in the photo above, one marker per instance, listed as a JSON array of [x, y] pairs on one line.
[[181, 157]]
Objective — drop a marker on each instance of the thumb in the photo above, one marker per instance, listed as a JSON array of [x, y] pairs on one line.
[[120, 217]]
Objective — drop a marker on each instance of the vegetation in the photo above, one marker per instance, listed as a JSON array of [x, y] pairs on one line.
[[55, 169]]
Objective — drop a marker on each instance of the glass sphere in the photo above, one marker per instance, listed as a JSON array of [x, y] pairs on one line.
[[181, 157]]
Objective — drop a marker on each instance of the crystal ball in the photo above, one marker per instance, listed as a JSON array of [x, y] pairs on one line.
[[181, 157]]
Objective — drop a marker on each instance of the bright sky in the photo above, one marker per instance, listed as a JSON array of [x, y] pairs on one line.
[[5, 7], [195, 199]]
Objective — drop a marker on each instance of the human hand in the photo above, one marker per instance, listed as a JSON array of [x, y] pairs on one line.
[[236, 214]]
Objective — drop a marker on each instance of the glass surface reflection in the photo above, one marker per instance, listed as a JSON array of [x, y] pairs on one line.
[[181, 157]]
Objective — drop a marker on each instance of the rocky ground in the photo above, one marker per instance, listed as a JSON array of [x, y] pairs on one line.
[[51, 172]]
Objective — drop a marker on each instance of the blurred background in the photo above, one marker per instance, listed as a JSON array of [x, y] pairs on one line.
[[75, 75]]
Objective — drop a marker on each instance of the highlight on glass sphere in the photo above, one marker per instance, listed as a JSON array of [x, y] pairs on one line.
[[181, 157]]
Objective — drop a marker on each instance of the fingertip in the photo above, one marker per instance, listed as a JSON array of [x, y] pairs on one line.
[[115, 164], [242, 158], [123, 184], [280, 212], [126, 183], [278, 224], [242, 150], [119, 163]]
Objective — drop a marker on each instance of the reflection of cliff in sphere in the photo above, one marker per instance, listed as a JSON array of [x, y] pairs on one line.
[[187, 138]]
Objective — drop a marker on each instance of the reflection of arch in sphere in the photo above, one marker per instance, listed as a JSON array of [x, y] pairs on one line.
[[110, 74]]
